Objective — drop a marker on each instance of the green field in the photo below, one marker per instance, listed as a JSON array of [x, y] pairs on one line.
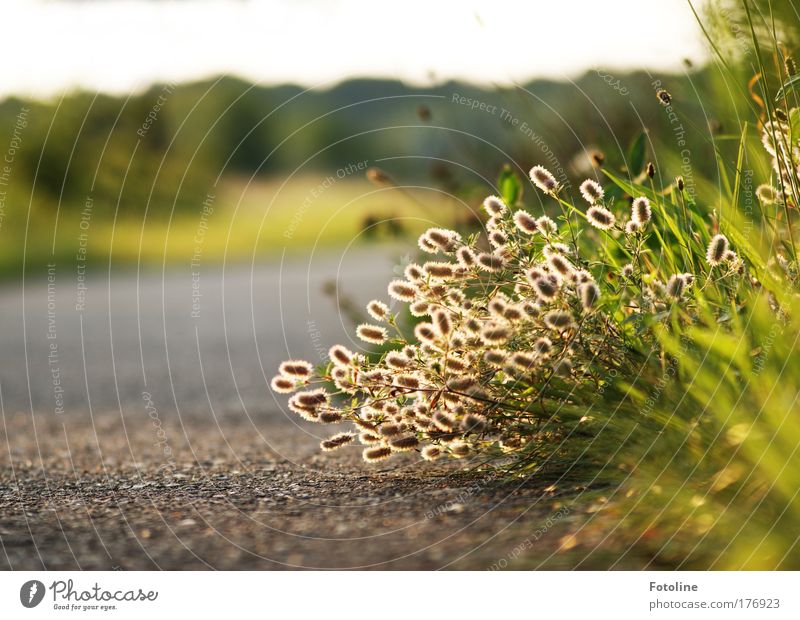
[[242, 220]]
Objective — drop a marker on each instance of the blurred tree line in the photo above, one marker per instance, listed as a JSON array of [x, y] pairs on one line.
[[164, 148]]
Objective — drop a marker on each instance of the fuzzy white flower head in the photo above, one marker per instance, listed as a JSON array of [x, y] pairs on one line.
[[591, 191], [525, 222], [640, 211], [600, 217], [494, 206], [402, 290], [715, 253], [340, 355], [546, 226], [282, 385], [767, 194], [543, 179], [373, 334], [296, 369], [631, 227], [378, 310]]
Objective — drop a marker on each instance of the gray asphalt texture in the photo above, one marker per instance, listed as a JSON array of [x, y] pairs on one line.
[[137, 436]]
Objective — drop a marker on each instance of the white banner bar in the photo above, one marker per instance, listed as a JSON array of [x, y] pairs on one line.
[[390, 595]]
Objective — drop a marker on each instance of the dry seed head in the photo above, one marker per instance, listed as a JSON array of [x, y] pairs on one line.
[[443, 421], [296, 369], [403, 444], [397, 360], [442, 238], [546, 226], [429, 349], [364, 425], [414, 272], [419, 308], [600, 217], [372, 455], [490, 262], [523, 361], [546, 287], [461, 384], [542, 346], [543, 179], [441, 322], [627, 271], [716, 250], [410, 382], [589, 294], [425, 332], [330, 417], [455, 364], [767, 194], [494, 206], [459, 449], [340, 356], [513, 313], [532, 309], [631, 228], [307, 413], [455, 296], [791, 67], [337, 441], [640, 211], [497, 238], [560, 265], [558, 320], [525, 222], [591, 191], [675, 286], [473, 326], [440, 271], [431, 452], [493, 333], [389, 430], [497, 305], [465, 256], [582, 276], [282, 385], [495, 357], [663, 97], [377, 310], [311, 398], [368, 438], [402, 290], [371, 333], [473, 423], [426, 245]]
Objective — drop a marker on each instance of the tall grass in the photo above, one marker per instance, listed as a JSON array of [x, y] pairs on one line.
[[683, 372]]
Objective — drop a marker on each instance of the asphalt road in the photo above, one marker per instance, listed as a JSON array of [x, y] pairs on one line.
[[139, 432]]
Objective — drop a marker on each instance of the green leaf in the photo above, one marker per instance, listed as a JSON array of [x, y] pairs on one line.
[[636, 153], [510, 186], [791, 84]]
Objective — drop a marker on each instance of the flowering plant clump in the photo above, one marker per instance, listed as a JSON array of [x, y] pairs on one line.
[[503, 317]]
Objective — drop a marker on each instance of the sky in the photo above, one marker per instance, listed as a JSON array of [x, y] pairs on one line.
[[124, 45]]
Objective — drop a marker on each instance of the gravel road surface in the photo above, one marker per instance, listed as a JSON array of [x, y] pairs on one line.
[[138, 432]]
